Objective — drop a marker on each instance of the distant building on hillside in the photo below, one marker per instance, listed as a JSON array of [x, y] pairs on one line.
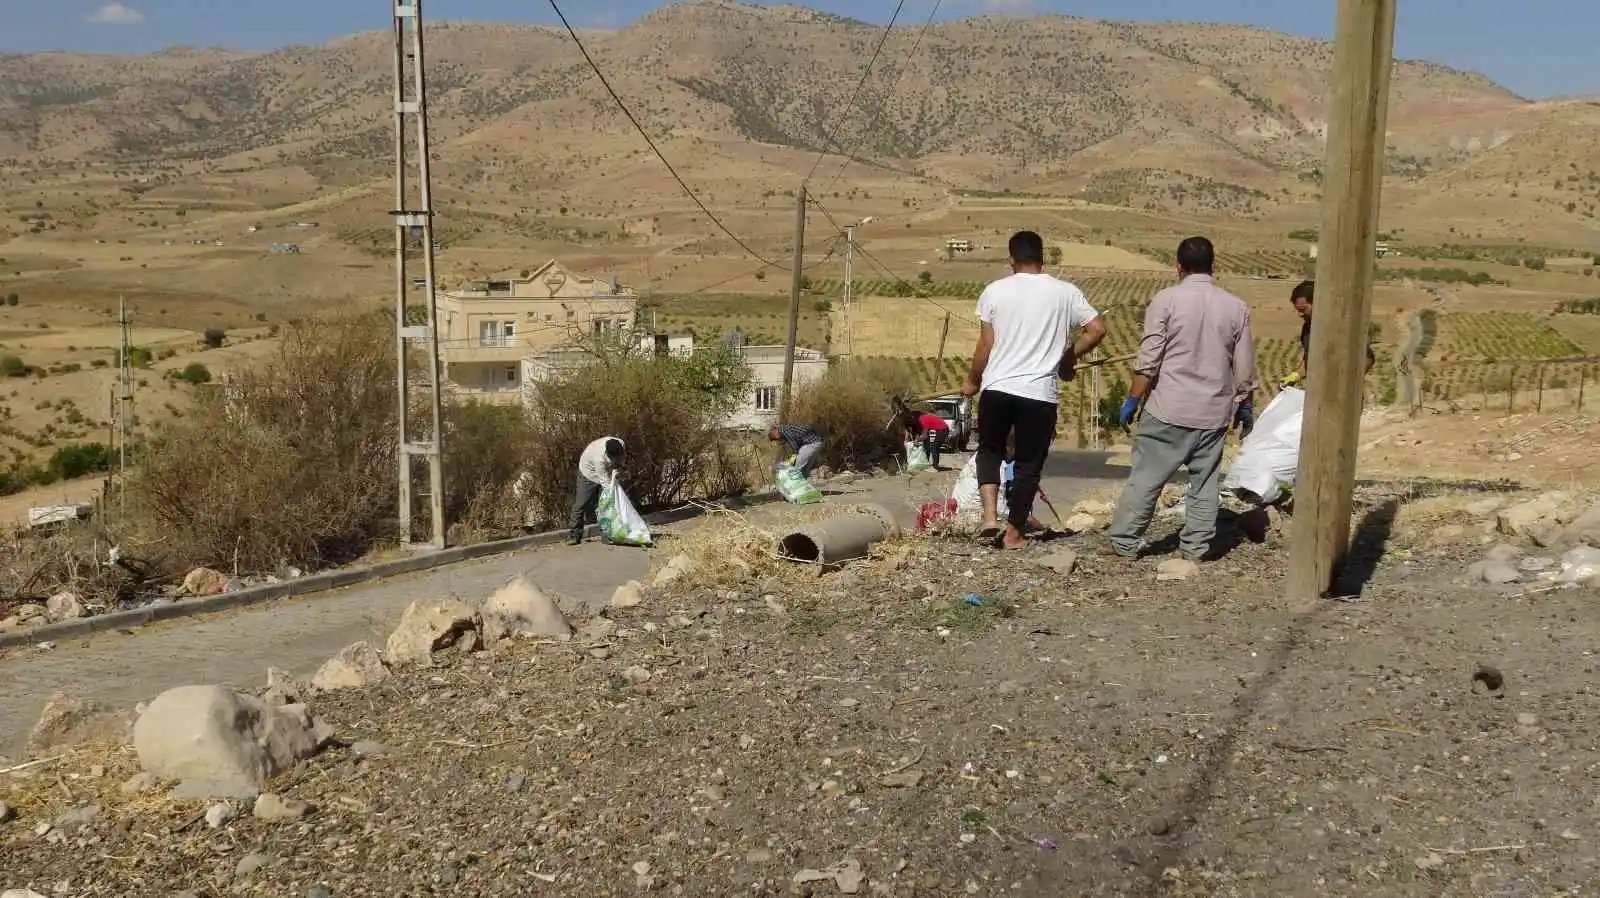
[[286, 248], [488, 328]]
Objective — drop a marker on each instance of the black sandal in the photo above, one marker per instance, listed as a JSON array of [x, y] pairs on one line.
[[990, 533]]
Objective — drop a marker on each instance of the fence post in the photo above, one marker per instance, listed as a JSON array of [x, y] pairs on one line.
[[1582, 373], [1511, 392], [1538, 399], [1483, 389]]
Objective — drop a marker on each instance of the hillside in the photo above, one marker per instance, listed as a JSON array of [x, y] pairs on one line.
[[1107, 107]]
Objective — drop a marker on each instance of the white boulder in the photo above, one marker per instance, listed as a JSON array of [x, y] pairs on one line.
[[218, 742], [521, 608], [431, 626], [356, 666]]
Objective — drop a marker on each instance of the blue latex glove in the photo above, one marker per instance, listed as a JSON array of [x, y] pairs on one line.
[[1244, 418], [1130, 407]]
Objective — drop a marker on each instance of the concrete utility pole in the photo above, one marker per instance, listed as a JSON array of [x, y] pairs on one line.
[[1352, 179], [124, 400], [849, 288], [797, 275], [410, 100], [850, 284]]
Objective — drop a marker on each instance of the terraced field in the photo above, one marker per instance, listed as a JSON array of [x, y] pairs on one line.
[[1286, 263], [1498, 336]]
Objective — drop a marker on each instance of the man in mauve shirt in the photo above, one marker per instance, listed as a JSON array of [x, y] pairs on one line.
[[1195, 375]]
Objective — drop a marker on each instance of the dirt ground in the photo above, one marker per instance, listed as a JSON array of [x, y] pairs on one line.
[[1098, 734]]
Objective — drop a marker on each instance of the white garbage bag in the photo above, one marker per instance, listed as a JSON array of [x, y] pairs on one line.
[[917, 456], [969, 502], [795, 486], [1265, 468], [621, 523]]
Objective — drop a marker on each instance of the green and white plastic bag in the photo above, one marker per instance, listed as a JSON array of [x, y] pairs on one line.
[[794, 486], [620, 522], [917, 457]]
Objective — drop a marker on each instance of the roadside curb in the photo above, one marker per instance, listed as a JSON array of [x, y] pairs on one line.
[[335, 579]]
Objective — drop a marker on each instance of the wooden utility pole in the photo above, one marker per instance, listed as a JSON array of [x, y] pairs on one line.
[[944, 335], [1358, 111], [794, 302]]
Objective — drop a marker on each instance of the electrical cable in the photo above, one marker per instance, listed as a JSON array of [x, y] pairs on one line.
[[866, 72], [653, 148]]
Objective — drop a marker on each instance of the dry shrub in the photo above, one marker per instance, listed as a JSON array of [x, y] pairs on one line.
[[486, 448], [850, 407], [666, 409], [295, 465], [38, 564]]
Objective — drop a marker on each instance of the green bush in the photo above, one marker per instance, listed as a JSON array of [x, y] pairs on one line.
[[668, 410], [71, 462], [11, 366], [214, 337], [194, 373], [12, 299]]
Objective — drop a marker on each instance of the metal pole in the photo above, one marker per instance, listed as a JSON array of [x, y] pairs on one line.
[[1357, 120], [794, 302]]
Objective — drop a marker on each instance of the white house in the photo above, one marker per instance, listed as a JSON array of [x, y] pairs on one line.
[[760, 408]]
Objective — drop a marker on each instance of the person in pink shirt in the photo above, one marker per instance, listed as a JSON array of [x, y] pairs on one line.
[[931, 429], [1194, 376]]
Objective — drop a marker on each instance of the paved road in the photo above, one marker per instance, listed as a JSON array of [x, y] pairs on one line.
[[236, 648]]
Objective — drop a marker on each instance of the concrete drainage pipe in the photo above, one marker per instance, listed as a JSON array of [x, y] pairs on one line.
[[844, 537]]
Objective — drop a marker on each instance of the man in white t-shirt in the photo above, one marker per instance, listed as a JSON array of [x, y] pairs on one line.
[[600, 459], [1023, 349]]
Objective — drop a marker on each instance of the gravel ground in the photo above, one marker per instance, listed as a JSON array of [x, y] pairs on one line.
[[871, 732]]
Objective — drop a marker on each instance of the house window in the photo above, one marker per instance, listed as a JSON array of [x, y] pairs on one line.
[[766, 399], [511, 374]]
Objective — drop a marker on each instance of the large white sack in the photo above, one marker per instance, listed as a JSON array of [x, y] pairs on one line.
[[1269, 457], [968, 500]]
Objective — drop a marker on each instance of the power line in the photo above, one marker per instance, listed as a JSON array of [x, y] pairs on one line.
[[915, 291], [832, 249], [862, 137], [653, 148], [866, 72]]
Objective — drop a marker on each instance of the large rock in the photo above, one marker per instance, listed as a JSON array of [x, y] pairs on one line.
[[628, 595], [64, 606], [203, 581], [218, 742], [1585, 528], [676, 568], [356, 666], [1176, 569], [521, 608], [68, 720], [284, 688], [428, 627], [1536, 519]]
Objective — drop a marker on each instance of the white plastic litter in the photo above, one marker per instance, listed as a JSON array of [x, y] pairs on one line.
[[917, 457], [1265, 468], [795, 487], [1580, 566], [620, 522]]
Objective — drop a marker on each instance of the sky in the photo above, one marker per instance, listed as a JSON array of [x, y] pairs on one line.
[[1538, 48]]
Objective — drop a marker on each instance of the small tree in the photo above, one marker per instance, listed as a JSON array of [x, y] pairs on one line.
[[761, 275], [11, 366], [1055, 255], [194, 373], [925, 277], [12, 299], [214, 337]]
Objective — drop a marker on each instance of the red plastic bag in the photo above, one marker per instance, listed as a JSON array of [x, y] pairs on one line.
[[929, 512]]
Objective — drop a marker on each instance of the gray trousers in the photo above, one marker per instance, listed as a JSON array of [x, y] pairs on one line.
[[805, 458], [585, 501], [1159, 450]]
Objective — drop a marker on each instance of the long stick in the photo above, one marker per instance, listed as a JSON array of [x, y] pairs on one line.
[[1094, 364]]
